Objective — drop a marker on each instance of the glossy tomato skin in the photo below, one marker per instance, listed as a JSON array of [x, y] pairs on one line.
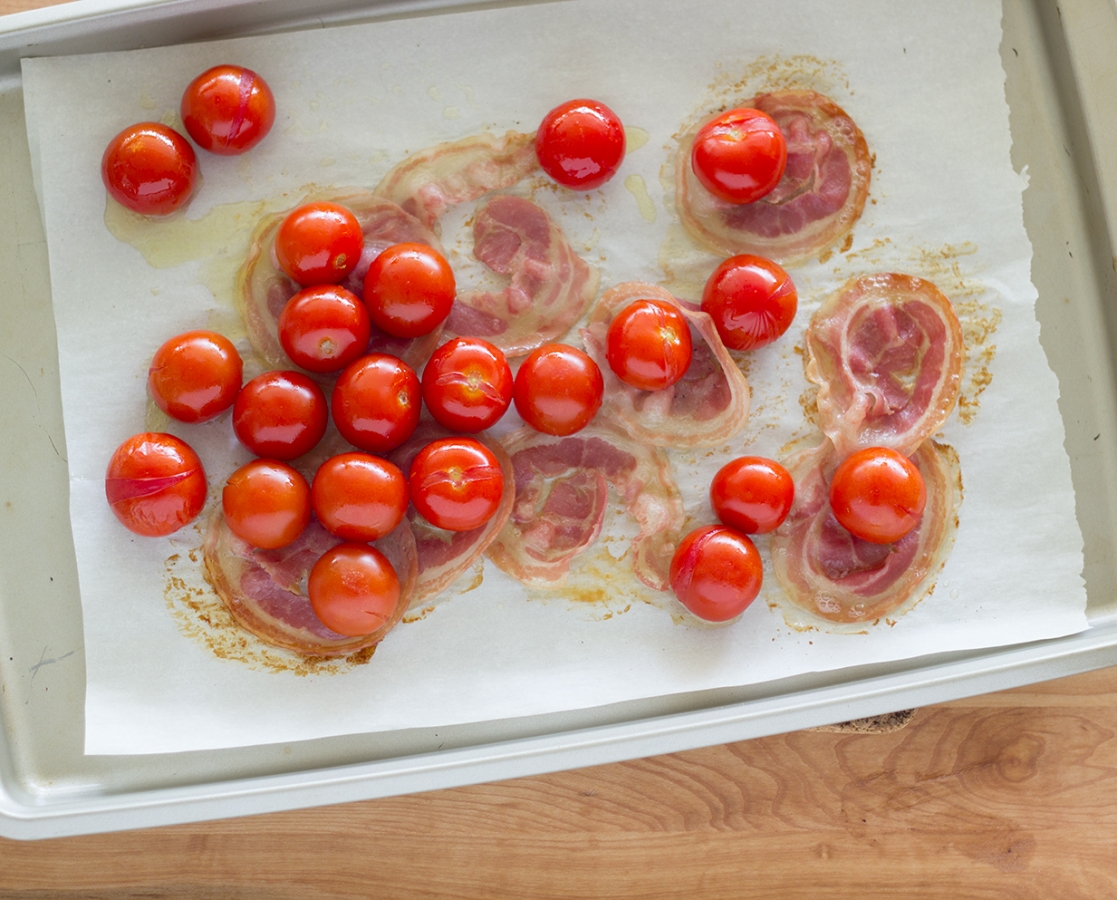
[[752, 301], [558, 389], [280, 415], [358, 496], [266, 503], [716, 573], [740, 155], [878, 495], [319, 243], [409, 290], [467, 385], [353, 589], [195, 376], [228, 109], [150, 169], [456, 483], [752, 494], [648, 345], [324, 328], [580, 144], [376, 402], [155, 484]]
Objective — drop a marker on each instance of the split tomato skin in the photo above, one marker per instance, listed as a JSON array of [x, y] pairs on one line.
[[376, 402], [648, 345], [280, 415], [558, 389], [319, 243], [740, 155], [409, 290], [155, 484], [324, 328], [227, 109], [150, 169], [580, 144], [195, 376], [467, 385], [266, 503], [456, 483], [878, 495], [752, 301], [354, 589], [358, 496], [716, 573]]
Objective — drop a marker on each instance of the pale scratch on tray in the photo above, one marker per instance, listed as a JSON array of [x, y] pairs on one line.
[[45, 661], [38, 408]]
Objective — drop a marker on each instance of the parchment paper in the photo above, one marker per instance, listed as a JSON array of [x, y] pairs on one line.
[[925, 83]]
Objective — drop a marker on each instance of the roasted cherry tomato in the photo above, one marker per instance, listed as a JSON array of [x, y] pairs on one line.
[[195, 376], [752, 301], [752, 494], [228, 109], [353, 589], [319, 243], [878, 495], [456, 483], [266, 503], [648, 345], [155, 484], [409, 289], [359, 497], [740, 155], [716, 573], [280, 415], [150, 168], [324, 328], [467, 385], [376, 402], [580, 144], [558, 389]]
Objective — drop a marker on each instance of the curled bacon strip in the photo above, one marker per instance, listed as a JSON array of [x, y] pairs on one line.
[[706, 407], [820, 196]]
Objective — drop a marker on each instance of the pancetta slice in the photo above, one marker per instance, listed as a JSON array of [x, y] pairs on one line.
[[831, 574], [820, 196], [886, 353], [706, 407], [562, 488]]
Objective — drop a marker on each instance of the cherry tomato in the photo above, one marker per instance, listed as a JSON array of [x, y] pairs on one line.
[[558, 389], [740, 155], [155, 484], [319, 243], [280, 415], [409, 289], [359, 497], [195, 376], [716, 573], [752, 494], [752, 301], [456, 483], [878, 495], [376, 402], [150, 168], [353, 589], [648, 345], [266, 503], [580, 144], [467, 385], [228, 109], [324, 328]]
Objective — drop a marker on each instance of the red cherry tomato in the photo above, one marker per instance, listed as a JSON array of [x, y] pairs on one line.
[[648, 345], [878, 495], [740, 155], [752, 494], [456, 483], [409, 289], [266, 503], [353, 589], [558, 389], [467, 385], [319, 243], [324, 328], [150, 168], [228, 109], [752, 301], [359, 497], [155, 484], [580, 144], [716, 573], [195, 376], [280, 415], [376, 402]]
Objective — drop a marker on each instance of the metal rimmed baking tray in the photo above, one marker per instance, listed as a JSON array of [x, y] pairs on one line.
[[1064, 132]]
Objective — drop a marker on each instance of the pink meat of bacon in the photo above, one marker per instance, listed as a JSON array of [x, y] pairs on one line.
[[706, 407], [886, 353], [820, 196], [832, 574], [562, 488]]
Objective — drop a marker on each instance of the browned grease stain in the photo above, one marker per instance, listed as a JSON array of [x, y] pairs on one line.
[[776, 73]]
